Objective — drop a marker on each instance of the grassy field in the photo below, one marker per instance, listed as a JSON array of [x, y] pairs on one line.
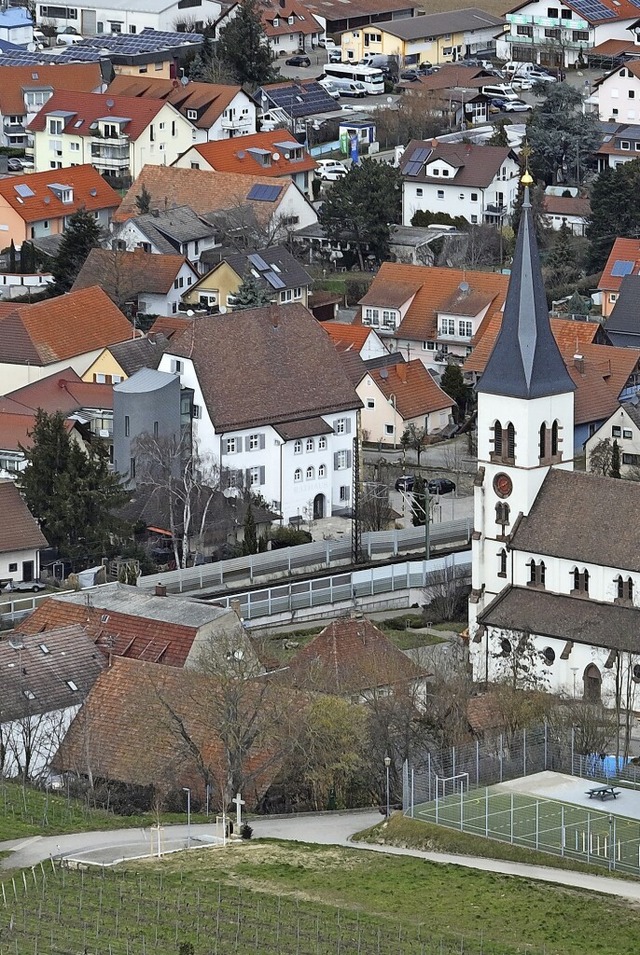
[[296, 899], [574, 832]]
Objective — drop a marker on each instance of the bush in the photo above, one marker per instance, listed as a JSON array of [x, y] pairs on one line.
[[288, 537], [355, 289], [246, 831]]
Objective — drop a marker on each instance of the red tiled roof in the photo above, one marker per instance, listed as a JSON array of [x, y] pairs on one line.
[[347, 337], [569, 335], [305, 22], [209, 99], [433, 287], [169, 326], [352, 655], [234, 155], [19, 530], [416, 393], [90, 191], [81, 77], [16, 430], [87, 108], [567, 206], [65, 391], [624, 250], [60, 328], [612, 48], [123, 275]]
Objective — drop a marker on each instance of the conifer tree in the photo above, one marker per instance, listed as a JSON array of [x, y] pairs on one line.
[[80, 236]]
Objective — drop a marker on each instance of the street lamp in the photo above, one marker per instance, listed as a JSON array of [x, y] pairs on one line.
[[387, 764], [188, 792]]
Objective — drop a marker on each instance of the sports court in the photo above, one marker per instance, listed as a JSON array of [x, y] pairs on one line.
[[548, 811]]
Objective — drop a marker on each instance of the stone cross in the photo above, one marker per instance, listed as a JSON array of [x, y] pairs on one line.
[[239, 801]]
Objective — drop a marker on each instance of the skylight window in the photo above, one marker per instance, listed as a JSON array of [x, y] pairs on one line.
[[72, 686], [45, 649], [29, 695]]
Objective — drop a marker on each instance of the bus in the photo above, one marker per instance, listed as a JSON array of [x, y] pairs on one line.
[[371, 78]]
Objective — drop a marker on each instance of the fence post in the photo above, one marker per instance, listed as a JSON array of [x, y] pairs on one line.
[[612, 848], [437, 801], [453, 760], [500, 757], [537, 822], [588, 835], [546, 744], [429, 773], [461, 806], [477, 762], [486, 813], [511, 814], [251, 567], [413, 783], [573, 736], [524, 751]]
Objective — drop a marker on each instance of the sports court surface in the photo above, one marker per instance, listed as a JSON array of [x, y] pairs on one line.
[[548, 811]]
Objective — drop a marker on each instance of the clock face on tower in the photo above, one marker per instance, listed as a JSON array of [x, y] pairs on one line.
[[502, 485]]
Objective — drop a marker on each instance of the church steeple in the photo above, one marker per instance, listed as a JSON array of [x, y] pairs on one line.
[[526, 361]]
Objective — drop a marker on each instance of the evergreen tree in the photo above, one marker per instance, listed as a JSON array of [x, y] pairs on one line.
[[563, 138], [615, 210], [615, 461], [419, 503], [80, 236], [561, 265], [251, 294], [250, 542], [499, 136], [362, 207], [244, 49], [453, 384], [12, 257], [71, 492], [143, 201]]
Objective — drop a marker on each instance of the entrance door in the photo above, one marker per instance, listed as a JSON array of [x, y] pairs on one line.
[[592, 684], [318, 507], [27, 570]]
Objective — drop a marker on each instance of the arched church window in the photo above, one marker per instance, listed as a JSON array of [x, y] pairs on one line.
[[580, 581], [542, 446], [497, 439], [502, 515], [537, 573], [554, 439], [511, 442], [502, 560], [624, 588]]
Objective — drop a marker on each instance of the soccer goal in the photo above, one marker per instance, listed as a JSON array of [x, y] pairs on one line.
[[452, 785]]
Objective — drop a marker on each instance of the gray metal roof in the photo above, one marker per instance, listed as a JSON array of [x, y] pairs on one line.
[[121, 598], [623, 325], [171, 228], [145, 380], [437, 24], [525, 361]]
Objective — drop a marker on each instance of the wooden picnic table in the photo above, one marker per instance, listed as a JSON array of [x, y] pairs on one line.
[[603, 792]]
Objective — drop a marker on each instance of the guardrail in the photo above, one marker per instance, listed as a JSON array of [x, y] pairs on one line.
[[286, 560]]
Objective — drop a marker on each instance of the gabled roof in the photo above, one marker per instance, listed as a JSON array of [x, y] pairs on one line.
[[348, 337], [623, 325], [208, 99], [80, 111], [57, 329], [124, 275], [274, 268], [439, 24], [525, 361], [243, 154], [168, 326], [295, 370], [168, 230], [624, 259], [476, 165], [415, 391], [65, 391], [338, 10], [204, 192], [14, 80], [454, 75], [570, 335], [40, 673], [140, 353], [431, 287], [19, 529], [31, 196], [296, 98], [304, 23], [601, 11], [351, 655], [585, 519], [567, 206], [128, 622]]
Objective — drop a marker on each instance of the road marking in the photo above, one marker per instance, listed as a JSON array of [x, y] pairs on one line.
[[27, 842]]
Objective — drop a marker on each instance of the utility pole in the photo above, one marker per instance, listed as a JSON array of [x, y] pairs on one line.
[[356, 524]]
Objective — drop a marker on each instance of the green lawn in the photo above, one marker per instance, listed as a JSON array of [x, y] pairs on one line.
[[295, 899]]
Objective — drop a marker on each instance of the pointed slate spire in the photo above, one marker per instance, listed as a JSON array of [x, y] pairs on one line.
[[525, 361]]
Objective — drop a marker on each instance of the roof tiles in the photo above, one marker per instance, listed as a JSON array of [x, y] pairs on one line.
[[19, 529], [33, 199], [86, 108]]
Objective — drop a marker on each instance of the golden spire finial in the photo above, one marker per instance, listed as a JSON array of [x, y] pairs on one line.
[[525, 152]]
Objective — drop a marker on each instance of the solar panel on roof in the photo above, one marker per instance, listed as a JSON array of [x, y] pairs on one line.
[[258, 261], [593, 9], [264, 193], [412, 168], [24, 190], [622, 267], [274, 280]]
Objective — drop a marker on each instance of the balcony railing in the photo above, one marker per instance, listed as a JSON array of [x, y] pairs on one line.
[[234, 122]]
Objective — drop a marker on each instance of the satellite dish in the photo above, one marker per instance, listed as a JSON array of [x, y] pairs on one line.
[[190, 313], [110, 103], [384, 373], [286, 156], [464, 287], [93, 192], [276, 157], [241, 154], [47, 199], [31, 47], [184, 80], [223, 309]]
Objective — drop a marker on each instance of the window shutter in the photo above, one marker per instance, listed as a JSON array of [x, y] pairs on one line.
[[262, 442], [335, 460], [247, 478], [347, 425], [246, 443], [347, 493], [225, 446], [262, 475], [335, 425], [348, 459]]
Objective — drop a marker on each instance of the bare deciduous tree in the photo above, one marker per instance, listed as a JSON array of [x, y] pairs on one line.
[[600, 457]]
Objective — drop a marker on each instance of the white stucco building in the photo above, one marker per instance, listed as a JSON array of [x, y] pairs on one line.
[[555, 565]]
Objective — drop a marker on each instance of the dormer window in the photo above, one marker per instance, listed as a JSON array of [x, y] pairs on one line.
[[276, 21], [192, 114], [291, 20], [56, 127]]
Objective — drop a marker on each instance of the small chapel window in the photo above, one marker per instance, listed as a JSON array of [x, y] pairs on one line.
[[504, 443], [580, 581], [537, 573], [624, 588], [502, 515], [502, 559]]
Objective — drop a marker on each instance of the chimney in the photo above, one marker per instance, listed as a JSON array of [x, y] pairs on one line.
[[401, 369], [273, 311], [578, 362], [235, 606], [161, 590]]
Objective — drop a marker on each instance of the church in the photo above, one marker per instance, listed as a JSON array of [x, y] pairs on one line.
[[556, 552]]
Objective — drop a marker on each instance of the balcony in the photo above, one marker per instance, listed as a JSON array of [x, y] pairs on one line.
[[236, 122], [110, 156], [493, 209]]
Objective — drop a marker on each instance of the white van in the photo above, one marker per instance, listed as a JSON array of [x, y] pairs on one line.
[[348, 87], [328, 86], [500, 89], [514, 68]]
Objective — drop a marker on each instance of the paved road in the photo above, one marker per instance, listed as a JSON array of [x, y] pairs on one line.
[[323, 829]]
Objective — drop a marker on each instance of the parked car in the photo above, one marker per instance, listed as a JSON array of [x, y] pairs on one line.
[[405, 482], [330, 170], [441, 486], [328, 86], [27, 586], [14, 164], [335, 56], [412, 75], [298, 60], [68, 39], [497, 103], [517, 106], [541, 76]]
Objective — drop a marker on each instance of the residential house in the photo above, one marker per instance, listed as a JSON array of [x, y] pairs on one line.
[[623, 324], [289, 27], [117, 135], [47, 337], [353, 658], [25, 89], [611, 53], [561, 35], [339, 15], [176, 229], [263, 154], [453, 92], [619, 93], [431, 313], [21, 539], [620, 144], [460, 179], [434, 38], [126, 621], [133, 710], [104, 17], [622, 426], [624, 259], [356, 339], [35, 205], [397, 396], [554, 555], [44, 681], [285, 430], [140, 282], [16, 26], [88, 408], [155, 51], [120, 361], [571, 211], [274, 269], [252, 210], [216, 111], [293, 104]]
